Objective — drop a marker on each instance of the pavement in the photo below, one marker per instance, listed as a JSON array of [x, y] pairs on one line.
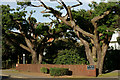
[[12, 74], [16, 74]]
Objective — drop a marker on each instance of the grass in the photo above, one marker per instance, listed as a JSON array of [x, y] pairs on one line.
[[10, 71], [110, 74]]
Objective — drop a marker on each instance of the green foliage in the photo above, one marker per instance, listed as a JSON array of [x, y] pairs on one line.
[[46, 15], [58, 71], [59, 7], [62, 44], [44, 70], [33, 31], [24, 3], [42, 29], [70, 56]]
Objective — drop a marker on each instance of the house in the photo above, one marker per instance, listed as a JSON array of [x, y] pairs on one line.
[[113, 43]]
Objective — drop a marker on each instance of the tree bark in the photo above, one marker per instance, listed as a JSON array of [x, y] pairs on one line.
[[40, 59], [101, 65], [34, 57], [101, 61]]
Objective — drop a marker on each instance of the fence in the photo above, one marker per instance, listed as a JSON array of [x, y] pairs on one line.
[[78, 70]]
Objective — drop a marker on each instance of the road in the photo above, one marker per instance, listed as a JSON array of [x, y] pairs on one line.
[[13, 75]]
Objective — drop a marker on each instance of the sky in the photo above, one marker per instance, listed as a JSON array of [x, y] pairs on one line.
[[38, 15]]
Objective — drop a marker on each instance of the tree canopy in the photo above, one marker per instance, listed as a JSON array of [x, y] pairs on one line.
[[94, 27]]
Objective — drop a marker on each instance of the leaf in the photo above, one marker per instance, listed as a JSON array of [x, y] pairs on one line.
[[46, 15]]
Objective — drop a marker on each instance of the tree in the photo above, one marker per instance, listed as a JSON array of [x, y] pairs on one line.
[[71, 56], [64, 45], [31, 36], [96, 35]]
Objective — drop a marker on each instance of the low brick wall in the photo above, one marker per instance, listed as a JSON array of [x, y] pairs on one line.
[[77, 70]]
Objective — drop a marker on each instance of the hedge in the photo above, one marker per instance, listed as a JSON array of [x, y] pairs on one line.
[[44, 70], [58, 71]]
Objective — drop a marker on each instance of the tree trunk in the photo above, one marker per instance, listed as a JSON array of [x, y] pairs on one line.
[[101, 65], [34, 57], [40, 58], [40, 55], [101, 61]]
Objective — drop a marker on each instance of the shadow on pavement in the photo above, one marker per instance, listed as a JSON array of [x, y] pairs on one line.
[[4, 77]]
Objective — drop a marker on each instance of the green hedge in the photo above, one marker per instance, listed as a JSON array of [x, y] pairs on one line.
[[44, 70], [58, 71]]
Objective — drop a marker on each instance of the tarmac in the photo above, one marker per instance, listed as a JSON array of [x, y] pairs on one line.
[[14, 75]]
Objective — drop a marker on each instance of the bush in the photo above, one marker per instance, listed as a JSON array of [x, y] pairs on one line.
[[58, 71], [44, 70], [70, 56]]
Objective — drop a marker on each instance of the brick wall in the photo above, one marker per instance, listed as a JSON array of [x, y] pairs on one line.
[[78, 70]]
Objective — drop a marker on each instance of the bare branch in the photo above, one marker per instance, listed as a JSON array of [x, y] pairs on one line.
[[75, 5], [64, 5], [51, 19], [55, 12], [36, 6], [80, 3], [45, 11], [100, 17], [11, 32], [59, 2], [70, 13], [93, 21], [24, 47], [43, 4]]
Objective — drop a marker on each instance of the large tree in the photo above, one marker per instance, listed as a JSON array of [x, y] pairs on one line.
[[31, 36], [94, 27]]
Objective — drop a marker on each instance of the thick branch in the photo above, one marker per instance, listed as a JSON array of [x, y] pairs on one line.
[[84, 32], [11, 32], [87, 48], [29, 44], [100, 17], [14, 41], [93, 21], [24, 47], [69, 23]]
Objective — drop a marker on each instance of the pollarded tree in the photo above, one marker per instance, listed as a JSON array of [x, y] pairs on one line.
[[94, 27], [31, 36]]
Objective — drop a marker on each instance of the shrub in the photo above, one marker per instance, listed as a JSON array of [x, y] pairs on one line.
[[44, 70], [58, 71], [70, 56]]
